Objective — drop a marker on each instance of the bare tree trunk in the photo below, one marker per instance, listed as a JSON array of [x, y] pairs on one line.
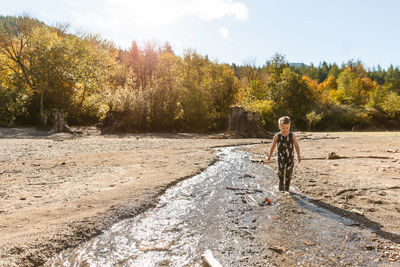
[[43, 117], [82, 99]]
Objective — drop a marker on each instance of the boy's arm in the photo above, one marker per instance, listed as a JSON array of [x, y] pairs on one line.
[[296, 145], [272, 148]]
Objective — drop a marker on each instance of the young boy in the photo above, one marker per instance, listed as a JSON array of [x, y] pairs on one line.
[[285, 141]]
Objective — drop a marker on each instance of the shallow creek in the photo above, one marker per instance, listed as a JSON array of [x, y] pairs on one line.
[[218, 210]]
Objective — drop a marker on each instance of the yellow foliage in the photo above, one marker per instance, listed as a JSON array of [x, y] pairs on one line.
[[262, 106], [315, 88]]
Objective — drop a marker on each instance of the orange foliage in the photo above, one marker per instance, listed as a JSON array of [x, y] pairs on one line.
[[315, 88]]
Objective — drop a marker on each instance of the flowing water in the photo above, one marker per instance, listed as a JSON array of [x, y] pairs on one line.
[[218, 210]]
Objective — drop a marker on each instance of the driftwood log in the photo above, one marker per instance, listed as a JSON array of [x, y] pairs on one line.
[[209, 259], [245, 124]]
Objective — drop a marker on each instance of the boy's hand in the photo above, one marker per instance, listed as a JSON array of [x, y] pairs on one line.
[[269, 159], [299, 159]]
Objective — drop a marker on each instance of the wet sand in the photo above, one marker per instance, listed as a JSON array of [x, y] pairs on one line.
[[58, 190], [363, 185]]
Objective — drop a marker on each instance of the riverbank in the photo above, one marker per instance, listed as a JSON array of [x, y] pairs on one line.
[[362, 184], [58, 190]]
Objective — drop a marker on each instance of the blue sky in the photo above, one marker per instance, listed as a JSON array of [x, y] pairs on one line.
[[308, 31]]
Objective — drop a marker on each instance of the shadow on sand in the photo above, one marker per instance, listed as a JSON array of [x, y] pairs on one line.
[[357, 218], [23, 133], [84, 131]]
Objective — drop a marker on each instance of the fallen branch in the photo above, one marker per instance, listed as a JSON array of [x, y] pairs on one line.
[[277, 249], [209, 259], [46, 183], [243, 189], [12, 171], [393, 187], [355, 157], [255, 201], [369, 157], [316, 138], [359, 212], [312, 158], [345, 190]]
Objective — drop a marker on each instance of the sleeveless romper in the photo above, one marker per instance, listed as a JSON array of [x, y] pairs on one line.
[[285, 160]]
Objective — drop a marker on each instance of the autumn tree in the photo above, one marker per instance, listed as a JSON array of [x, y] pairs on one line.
[[14, 50]]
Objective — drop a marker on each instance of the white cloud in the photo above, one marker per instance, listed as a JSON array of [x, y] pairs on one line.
[[124, 20], [216, 9], [159, 12], [225, 33]]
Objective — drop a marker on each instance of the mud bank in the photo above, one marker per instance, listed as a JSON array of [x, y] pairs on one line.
[[59, 190]]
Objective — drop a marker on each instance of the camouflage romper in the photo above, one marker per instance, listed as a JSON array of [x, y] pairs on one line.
[[285, 160]]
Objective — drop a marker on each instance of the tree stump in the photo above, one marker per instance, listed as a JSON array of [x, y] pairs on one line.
[[56, 122], [246, 124]]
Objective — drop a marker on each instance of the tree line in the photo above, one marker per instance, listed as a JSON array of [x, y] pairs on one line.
[[150, 88], [326, 97]]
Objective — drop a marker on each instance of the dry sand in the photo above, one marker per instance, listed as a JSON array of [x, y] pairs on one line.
[[59, 190], [363, 185]]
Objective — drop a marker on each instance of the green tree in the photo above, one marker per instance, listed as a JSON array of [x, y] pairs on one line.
[[292, 96], [352, 89]]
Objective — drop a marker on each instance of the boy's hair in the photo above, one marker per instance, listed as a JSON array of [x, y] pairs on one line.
[[284, 120]]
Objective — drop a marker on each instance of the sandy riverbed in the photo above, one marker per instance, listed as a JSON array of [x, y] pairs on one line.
[[363, 185], [58, 190]]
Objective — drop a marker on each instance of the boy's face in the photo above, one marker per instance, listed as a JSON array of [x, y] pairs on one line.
[[284, 128]]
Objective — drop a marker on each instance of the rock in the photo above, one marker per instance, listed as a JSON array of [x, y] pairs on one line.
[[375, 201], [277, 249], [307, 243], [368, 247]]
